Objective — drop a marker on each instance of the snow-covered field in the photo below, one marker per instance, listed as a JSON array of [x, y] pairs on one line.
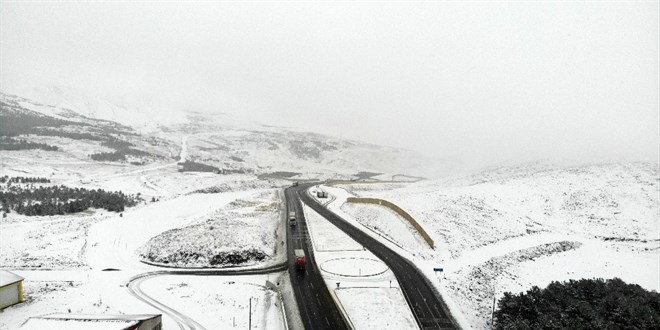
[[57, 242], [376, 308], [220, 302], [62, 257], [72, 291], [244, 232], [511, 228]]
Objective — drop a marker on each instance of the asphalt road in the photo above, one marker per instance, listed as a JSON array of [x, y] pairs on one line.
[[184, 322], [317, 309], [427, 306]]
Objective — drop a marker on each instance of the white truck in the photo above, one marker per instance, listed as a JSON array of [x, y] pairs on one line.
[[292, 218]]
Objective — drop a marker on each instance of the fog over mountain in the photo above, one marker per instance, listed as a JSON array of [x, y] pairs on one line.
[[329, 165], [480, 83]]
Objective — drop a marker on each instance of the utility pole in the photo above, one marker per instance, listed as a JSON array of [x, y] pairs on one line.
[[492, 315], [250, 317]]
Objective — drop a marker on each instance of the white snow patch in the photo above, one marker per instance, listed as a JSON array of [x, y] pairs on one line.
[[374, 305], [220, 302]]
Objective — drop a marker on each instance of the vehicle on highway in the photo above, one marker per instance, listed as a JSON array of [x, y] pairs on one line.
[[300, 259], [292, 218], [295, 184]]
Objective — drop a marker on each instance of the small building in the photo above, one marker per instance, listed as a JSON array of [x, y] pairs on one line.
[[11, 289], [87, 321]]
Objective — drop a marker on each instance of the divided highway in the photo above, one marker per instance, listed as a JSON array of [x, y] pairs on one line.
[[317, 309], [426, 304]]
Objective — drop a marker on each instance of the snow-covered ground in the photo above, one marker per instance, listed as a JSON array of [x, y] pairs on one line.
[[212, 301], [378, 307], [364, 287], [219, 302], [72, 291], [86, 259], [62, 257], [390, 225], [112, 243], [45, 243], [246, 231], [505, 229], [511, 228]]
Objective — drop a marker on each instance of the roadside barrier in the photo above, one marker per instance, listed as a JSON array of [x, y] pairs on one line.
[[399, 211]]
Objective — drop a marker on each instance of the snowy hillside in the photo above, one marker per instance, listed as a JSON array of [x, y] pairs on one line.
[[216, 139], [509, 228], [139, 115], [245, 232], [311, 155]]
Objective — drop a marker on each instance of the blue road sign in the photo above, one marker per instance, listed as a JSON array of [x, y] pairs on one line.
[[438, 269]]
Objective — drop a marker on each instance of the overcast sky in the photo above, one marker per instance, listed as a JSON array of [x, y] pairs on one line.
[[477, 82]]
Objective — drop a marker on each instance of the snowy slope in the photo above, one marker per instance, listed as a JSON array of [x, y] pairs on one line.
[[510, 228], [225, 141], [139, 115]]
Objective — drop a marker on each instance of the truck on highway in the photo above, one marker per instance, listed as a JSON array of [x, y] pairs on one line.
[[300, 259], [292, 218]]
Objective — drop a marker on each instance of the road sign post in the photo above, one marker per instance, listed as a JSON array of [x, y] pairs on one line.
[[438, 270]]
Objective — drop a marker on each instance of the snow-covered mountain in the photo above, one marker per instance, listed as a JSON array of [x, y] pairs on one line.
[[140, 115], [219, 139]]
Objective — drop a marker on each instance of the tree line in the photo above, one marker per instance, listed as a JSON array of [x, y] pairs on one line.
[[7, 143], [120, 155], [580, 304], [23, 179], [52, 200]]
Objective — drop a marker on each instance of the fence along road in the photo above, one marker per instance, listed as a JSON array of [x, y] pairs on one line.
[[318, 310], [427, 306]]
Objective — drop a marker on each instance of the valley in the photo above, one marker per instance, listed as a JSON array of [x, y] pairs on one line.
[[203, 231]]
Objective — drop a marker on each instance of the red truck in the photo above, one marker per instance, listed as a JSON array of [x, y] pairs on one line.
[[300, 259]]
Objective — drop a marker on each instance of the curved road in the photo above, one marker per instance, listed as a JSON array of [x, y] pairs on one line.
[[429, 309], [184, 322]]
